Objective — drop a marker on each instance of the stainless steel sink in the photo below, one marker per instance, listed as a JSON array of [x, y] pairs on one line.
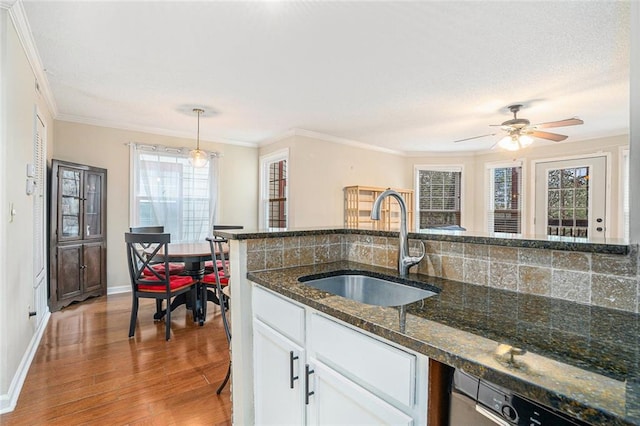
[[369, 290]]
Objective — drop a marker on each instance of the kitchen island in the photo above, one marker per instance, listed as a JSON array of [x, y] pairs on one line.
[[580, 359]]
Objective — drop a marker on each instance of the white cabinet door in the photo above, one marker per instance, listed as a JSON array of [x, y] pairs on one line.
[[338, 401], [278, 378], [387, 371]]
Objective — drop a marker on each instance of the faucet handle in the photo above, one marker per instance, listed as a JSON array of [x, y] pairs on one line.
[[414, 260]]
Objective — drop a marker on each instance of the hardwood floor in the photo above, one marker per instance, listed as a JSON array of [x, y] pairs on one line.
[[87, 370]]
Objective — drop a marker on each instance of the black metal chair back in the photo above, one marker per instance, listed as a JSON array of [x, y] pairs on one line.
[[218, 246], [147, 279], [147, 229]]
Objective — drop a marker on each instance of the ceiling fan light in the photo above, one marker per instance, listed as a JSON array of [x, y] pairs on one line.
[[510, 143], [198, 158], [525, 140]]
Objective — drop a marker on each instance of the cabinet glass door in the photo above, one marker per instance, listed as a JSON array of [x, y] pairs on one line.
[[93, 183], [70, 219]]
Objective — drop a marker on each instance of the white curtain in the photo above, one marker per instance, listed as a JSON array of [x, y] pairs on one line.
[[166, 190]]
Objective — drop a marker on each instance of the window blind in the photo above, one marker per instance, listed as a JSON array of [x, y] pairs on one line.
[[504, 212]]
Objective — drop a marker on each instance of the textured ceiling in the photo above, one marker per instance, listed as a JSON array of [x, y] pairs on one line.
[[405, 76]]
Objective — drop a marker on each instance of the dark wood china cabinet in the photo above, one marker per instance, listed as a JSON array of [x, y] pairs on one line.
[[78, 224]]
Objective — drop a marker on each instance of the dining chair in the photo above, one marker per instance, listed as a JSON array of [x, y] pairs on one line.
[[156, 229], [175, 268], [219, 280], [208, 266], [148, 275]]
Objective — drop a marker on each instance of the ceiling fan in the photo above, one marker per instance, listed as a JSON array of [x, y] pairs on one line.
[[520, 131]]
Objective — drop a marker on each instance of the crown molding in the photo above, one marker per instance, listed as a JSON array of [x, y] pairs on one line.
[[328, 138], [343, 141], [19, 19], [286, 135], [147, 129]]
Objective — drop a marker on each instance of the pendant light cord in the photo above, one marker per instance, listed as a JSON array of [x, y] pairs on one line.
[[198, 111]]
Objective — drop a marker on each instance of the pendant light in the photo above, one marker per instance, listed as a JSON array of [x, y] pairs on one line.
[[197, 157]]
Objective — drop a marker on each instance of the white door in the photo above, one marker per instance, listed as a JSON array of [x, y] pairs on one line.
[[570, 197], [39, 221], [337, 400], [278, 378]]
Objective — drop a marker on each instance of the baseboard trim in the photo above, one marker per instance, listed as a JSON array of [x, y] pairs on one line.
[[119, 289], [9, 400]]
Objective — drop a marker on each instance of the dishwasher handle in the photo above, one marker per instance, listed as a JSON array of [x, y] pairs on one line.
[[491, 416]]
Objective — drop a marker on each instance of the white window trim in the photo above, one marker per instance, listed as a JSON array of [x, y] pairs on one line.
[[265, 160], [439, 168], [489, 190], [623, 186]]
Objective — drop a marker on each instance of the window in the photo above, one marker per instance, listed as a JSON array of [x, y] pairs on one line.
[[168, 191], [504, 213], [438, 197], [274, 182]]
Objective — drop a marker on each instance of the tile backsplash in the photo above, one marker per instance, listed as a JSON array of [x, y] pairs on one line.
[[607, 280]]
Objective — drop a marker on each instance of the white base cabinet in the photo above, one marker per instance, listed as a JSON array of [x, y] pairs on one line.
[[279, 397], [312, 369]]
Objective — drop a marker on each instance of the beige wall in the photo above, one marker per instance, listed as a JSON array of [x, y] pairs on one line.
[[107, 148], [607, 146], [319, 170], [17, 124], [475, 190]]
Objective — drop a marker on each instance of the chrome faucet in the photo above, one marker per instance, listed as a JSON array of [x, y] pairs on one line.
[[404, 260]]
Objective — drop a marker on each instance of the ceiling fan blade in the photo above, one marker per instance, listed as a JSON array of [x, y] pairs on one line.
[[546, 135], [475, 137], [562, 123]]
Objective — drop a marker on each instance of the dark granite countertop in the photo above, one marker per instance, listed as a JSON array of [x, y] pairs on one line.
[[579, 359]]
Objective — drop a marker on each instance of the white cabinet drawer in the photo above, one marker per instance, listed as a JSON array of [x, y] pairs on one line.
[[283, 316], [378, 366]]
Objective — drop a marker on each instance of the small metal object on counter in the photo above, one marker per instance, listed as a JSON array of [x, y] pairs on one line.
[[504, 349]]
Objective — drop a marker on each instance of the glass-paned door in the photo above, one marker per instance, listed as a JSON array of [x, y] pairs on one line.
[[93, 204], [70, 190], [570, 198]]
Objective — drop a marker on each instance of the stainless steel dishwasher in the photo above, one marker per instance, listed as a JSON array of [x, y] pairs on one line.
[[476, 402]]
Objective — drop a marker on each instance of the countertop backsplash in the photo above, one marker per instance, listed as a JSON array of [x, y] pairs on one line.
[[589, 278]]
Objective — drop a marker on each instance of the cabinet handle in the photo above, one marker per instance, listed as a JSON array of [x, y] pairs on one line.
[[307, 394], [292, 378]]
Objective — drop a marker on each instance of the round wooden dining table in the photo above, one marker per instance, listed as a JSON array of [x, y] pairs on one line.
[[194, 256]]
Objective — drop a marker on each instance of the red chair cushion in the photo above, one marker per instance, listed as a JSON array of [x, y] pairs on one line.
[[175, 283], [174, 269], [208, 265], [211, 278]]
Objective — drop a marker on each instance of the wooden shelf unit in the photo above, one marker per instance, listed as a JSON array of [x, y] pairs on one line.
[[358, 202]]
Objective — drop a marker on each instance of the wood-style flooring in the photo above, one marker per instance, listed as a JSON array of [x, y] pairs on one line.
[[88, 372]]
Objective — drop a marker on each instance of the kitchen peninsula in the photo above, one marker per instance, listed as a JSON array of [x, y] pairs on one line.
[[571, 306]]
